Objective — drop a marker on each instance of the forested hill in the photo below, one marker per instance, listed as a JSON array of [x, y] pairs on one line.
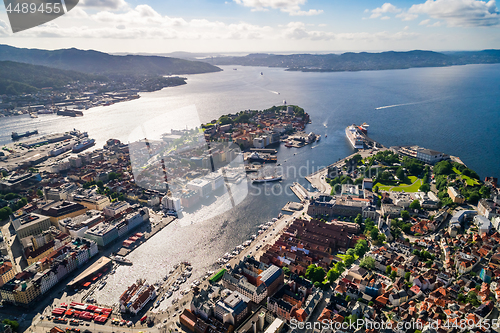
[[90, 61], [20, 78], [363, 60]]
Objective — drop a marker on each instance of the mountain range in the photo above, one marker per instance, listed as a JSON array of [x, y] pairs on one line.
[[361, 61], [95, 62]]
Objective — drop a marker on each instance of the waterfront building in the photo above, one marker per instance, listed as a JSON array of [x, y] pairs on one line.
[[323, 204], [253, 279], [172, 203], [19, 182], [30, 224], [201, 186], [422, 154], [102, 234], [232, 309]]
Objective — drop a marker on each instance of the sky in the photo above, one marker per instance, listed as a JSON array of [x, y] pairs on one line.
[[278, 26]]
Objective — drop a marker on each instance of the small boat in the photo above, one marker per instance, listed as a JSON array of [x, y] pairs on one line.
[[261, 73], [325, 135], [121, 260], [33, 115], [266, 179]]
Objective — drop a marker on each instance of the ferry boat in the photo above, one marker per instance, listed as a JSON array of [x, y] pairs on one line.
[[261, 158], [69, 113], [267, 179], [82, 145], [363, 128], [121, 260], [289, 144], [353, 135], [16, 135]]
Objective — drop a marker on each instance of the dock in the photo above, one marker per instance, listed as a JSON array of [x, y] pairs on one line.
[[300, 191], [147, 235]]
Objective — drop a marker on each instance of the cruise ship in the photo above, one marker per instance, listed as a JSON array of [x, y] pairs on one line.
[[82, 145], [353, 133]]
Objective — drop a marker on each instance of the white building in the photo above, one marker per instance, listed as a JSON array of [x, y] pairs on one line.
[[202, 186], [171, 203]]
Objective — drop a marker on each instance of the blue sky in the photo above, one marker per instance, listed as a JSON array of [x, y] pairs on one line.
[[154, 26]]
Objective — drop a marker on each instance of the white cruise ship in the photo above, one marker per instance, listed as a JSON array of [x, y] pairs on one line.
[[355, 138]]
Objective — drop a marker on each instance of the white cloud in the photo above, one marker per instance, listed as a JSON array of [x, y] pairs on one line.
[[385, 8], [425, 22], [4, 28], [460, 13], [405, 16], [104, 4], [297, 30], [435, 24], [77, 12], [292, 7], [385, 18], [406, 28]]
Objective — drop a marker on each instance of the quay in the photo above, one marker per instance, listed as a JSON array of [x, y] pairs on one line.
[[301, 192], [155, 228]]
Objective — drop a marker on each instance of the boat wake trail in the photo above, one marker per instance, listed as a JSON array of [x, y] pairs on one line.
[[396, 105]]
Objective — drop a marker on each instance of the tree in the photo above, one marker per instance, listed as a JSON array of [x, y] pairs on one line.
[[351, 252], [405, 215], [100, 184], [348, 260], [415, 204], [388, 270], [407, 276], [332, 275], [393, 275], [39, 193], [286, 271], [5, 213], [381, 238], [358, 219], [425, 188], [12, 323], [443, 168], [375, 189], [367, 263], [473, 198], [315, 273], [485, 192], [370, 303], [347, 298], [374, 233], [400, 173], [361, 247]]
